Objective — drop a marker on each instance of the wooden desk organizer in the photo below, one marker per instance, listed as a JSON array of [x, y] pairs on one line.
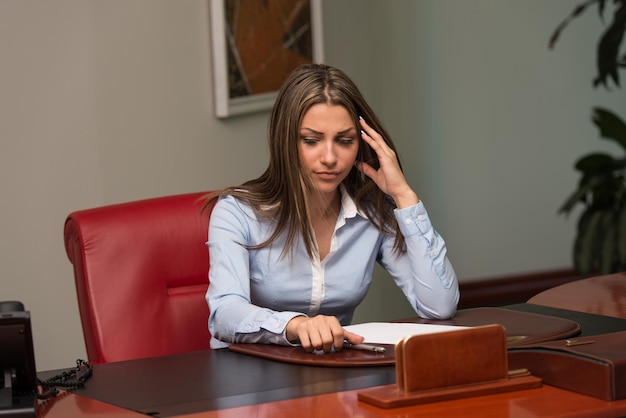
[[450, 365]]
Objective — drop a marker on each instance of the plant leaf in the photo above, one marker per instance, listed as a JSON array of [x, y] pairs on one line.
[[608, 48], [607, 236], [607, 58], [601, 8], [585, 243], [580, 194], [594, 163], [578, 10], [611, 126], [621, 238]]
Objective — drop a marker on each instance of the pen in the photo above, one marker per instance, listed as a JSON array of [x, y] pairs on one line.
[[366, 347]]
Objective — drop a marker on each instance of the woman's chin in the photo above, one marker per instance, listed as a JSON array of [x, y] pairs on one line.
[[326, 188]]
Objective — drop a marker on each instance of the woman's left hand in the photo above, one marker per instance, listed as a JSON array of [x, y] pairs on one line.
[[389, 177]]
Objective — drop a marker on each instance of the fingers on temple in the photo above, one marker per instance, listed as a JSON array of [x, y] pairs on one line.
[[375, 140]]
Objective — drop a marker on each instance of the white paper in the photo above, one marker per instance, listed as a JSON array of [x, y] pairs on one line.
[[392, 332]]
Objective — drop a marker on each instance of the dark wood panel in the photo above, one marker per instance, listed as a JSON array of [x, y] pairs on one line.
[[506, 290]]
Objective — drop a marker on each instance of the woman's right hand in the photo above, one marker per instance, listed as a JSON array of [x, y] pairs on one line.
[[320, 333]]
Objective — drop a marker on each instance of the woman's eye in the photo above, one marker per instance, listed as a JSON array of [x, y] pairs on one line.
[[345, 141], [309, 140]]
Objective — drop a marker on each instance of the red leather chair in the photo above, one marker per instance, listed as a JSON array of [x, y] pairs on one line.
[[141, 273]]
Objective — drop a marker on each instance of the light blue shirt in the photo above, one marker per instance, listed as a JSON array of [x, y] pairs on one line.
[[253, 294]]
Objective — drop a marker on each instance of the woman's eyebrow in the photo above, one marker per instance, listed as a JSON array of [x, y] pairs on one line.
[[345, 131], [312, 131]]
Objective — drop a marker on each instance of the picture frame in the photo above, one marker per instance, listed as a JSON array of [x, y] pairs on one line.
[[255, 45]]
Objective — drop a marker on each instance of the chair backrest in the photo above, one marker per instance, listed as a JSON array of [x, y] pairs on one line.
[[141, 273]]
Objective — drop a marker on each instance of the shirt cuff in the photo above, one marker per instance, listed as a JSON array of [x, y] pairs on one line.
[[413, 220], [271, 329]]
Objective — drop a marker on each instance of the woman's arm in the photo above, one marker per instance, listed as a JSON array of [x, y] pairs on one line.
[[423, 272], [233, 318]]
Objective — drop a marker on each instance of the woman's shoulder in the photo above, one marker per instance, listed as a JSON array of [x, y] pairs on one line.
[[238, 205], [232, 203]]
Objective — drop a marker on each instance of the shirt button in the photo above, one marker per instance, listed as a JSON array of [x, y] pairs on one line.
[[433, 253], [248, 327], [407, 221], [420, 217]]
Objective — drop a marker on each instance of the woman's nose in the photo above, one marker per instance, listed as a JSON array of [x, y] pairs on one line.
[[328, 154]]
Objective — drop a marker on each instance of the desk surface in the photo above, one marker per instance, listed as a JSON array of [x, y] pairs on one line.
[[602, 295], [228, 383], [546, 401], [217, 379]]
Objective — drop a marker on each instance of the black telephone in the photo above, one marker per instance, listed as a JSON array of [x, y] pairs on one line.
[[18, 379]]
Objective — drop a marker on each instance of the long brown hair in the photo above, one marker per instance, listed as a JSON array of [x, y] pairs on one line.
[[284, 187]]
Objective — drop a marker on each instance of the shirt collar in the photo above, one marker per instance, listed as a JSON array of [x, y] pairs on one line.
[[348, 206]]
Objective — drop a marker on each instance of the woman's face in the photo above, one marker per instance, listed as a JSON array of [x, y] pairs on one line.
[[328, 146]]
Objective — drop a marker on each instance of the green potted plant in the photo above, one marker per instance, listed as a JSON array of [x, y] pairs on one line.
[[600, 243]]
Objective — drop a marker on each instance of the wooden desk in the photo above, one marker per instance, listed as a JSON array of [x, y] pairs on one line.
[[221, 383], [546, 401], [601, 295], [66, 405]]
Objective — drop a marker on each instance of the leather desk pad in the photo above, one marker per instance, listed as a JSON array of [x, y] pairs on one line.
[[595, 366], [344, 358], [521, 328]]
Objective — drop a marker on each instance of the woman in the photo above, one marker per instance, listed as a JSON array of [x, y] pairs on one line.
[[292, 252]]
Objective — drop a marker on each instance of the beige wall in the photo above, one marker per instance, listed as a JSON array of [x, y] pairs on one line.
[[103, 101]]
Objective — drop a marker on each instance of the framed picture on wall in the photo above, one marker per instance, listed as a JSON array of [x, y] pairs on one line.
[[255, 45]]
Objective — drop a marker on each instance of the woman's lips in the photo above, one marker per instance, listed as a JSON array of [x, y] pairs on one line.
[[327, 175]]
